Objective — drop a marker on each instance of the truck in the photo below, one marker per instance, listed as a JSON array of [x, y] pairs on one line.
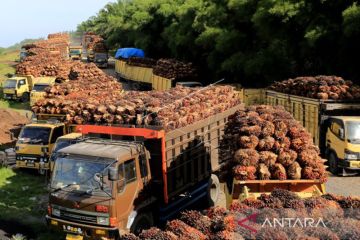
[[137, 178], [333, 124], [75, 52], [36, 142], [62, 142], [19, 87], [23, 54], [101, 59], [38, 91], [90, 54]]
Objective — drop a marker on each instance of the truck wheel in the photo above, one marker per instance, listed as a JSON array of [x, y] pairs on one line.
[[25, 97], [333, 163], [213, 191], [142, 221]]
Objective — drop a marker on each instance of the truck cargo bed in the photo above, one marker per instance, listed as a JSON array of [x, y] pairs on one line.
[[312, 112], [180, 158], [241, 190]]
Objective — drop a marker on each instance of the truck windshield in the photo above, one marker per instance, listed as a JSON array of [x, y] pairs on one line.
[[35, 135], [62, 143], [10, 83], [82, 174], [40, 87], [23, 54], [74, 52], [353, 131]]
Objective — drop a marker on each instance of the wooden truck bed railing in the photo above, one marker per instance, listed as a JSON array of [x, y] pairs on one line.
[[242, 190]]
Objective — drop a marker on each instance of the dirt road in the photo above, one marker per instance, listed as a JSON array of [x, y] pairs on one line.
[[348, 186]]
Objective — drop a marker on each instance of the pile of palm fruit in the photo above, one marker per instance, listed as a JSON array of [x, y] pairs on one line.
[[334, 217], [319, 87], [265, 142]]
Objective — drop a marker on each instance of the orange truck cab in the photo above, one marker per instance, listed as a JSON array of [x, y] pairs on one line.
[[102, 188]]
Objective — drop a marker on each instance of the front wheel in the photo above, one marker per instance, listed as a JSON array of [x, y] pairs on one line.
[[25, 97], [333, 164], [142, 221]]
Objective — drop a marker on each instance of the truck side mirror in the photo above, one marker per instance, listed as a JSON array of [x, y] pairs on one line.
[[341, 133], [113, 174]]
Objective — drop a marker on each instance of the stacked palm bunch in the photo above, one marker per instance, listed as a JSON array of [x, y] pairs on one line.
[[265, 142], [221, 224], [171, 109], [319, 87], [141, 62], [174, 69]]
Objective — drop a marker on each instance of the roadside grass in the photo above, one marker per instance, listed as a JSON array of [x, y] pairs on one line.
[[6, 64], [14, 105], [23, 201]]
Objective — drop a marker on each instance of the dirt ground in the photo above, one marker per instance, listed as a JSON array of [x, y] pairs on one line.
[[9, 119]]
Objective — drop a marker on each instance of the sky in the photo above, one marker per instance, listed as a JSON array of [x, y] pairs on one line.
[[21, 19]]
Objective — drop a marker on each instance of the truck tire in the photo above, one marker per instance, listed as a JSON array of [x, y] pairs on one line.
[[25, 97], [142, 221], [333, 163], [213, 191]]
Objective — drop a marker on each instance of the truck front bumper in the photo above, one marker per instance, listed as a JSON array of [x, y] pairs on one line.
[[32, 165], [82, 230], [10, 96], [350, 164]]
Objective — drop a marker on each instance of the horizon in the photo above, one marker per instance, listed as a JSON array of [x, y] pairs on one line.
[[30, 24]]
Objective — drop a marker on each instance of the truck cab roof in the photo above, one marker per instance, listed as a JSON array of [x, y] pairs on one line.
[[70, 136], [45, 80], [347, 118], [48, 125], [120, 150]]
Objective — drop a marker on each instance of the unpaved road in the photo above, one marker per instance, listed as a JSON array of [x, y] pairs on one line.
[[347, 186]]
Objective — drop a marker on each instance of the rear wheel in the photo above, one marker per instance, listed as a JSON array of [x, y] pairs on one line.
[[142, 221], [213, 191], [333, 163], [25, 97]]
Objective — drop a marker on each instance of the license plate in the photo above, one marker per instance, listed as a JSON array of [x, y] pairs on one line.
[[74, 237], [30, 164]]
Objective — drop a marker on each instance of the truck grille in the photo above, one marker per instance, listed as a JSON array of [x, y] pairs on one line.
[[77, 217], [27, 157]]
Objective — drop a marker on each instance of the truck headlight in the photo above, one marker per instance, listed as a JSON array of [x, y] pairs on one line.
[[349, 155], [56, 212], [102, 220], [44, 149]]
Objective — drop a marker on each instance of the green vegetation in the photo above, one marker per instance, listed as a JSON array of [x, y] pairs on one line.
[[253, 42], [7, 62], [23, 201], [18, 46]]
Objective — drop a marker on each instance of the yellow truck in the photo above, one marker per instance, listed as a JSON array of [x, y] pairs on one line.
[[19, 87], [334, 125], [75, 52], [62, 142], [36, 142], [38, 91]]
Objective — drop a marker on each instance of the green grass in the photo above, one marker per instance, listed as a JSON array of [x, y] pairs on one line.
[[15, 105], [23, 200], [6, 63]]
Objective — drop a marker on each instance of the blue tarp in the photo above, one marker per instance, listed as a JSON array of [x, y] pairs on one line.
[[129, 52]]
